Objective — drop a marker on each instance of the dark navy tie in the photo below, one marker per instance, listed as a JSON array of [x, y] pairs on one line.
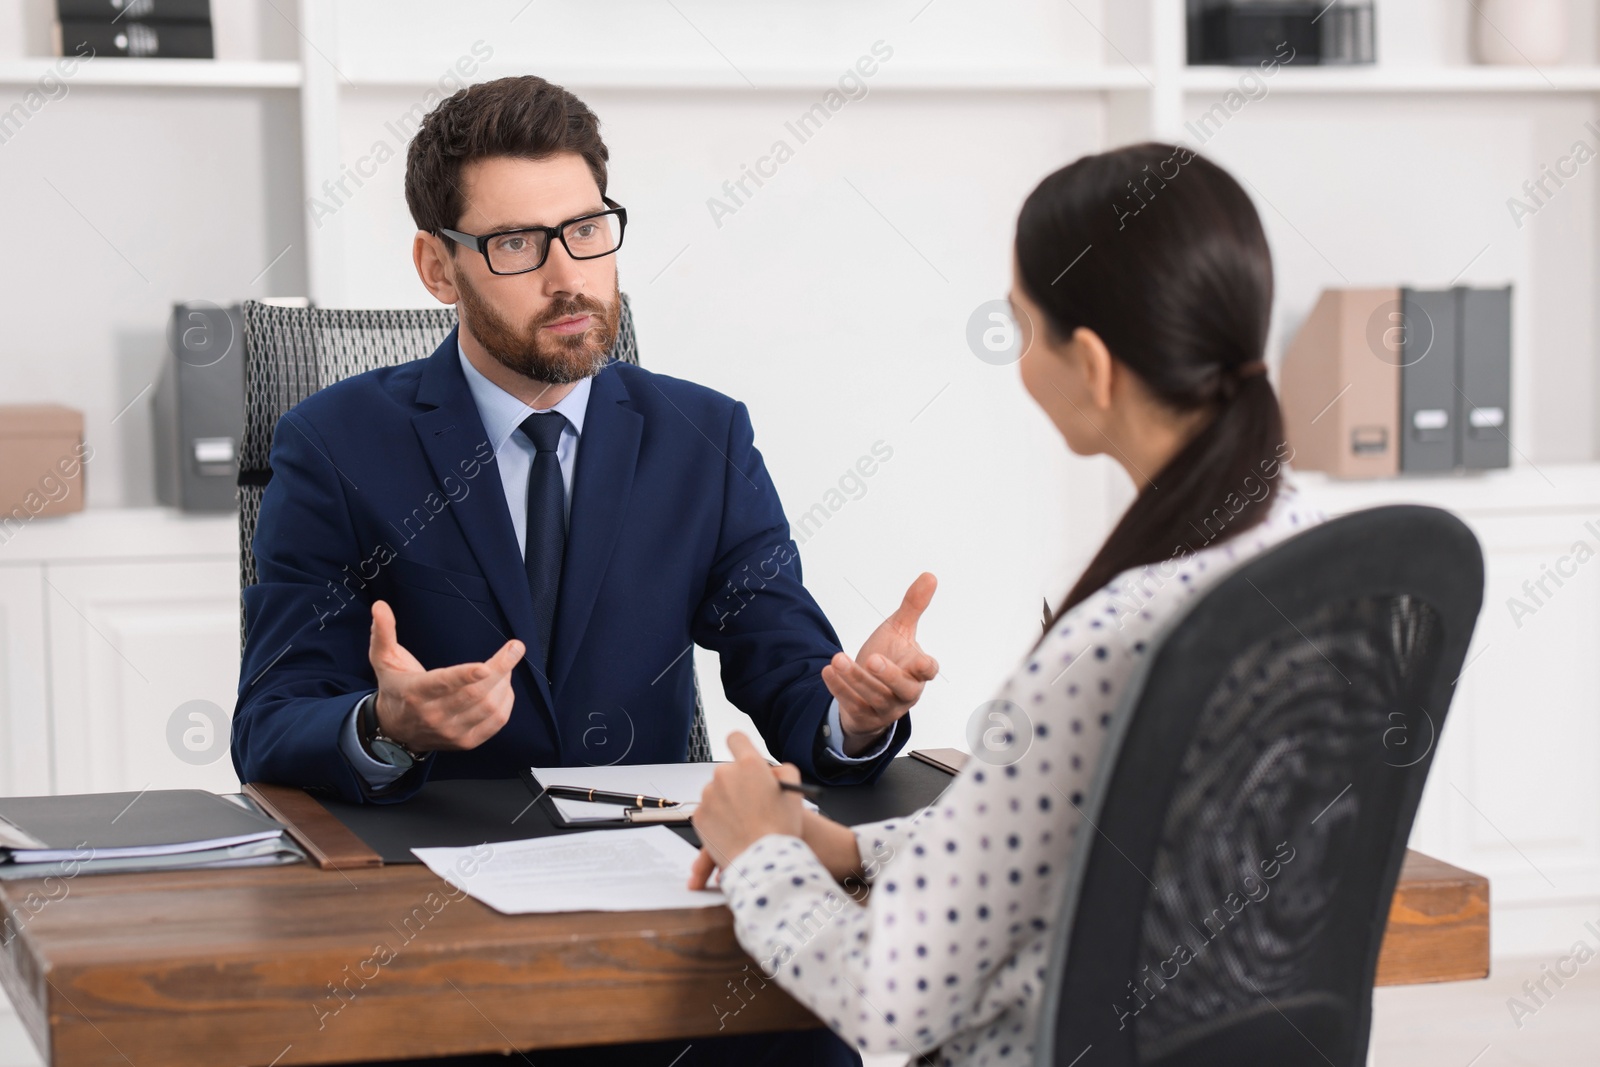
[[546, 539]]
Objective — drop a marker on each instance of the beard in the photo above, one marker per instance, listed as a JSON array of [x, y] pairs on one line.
[[554, 359]]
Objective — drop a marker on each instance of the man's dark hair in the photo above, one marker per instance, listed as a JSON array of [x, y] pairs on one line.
[[525, 118]]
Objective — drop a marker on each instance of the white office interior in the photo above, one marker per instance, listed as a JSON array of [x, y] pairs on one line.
[[832, 296]]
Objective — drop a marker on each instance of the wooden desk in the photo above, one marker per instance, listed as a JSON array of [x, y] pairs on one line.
[[1438, 925], [294, 965]]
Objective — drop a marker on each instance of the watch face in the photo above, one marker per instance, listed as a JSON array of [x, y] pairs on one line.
[[391, 753]]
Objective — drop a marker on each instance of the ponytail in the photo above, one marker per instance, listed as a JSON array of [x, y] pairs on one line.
[[1179, 286], [1219, 485]]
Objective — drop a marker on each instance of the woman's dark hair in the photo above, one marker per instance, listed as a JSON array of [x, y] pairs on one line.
[[1176, 279]]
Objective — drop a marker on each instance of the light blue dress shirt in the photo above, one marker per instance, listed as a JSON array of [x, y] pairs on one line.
[[502, 416]]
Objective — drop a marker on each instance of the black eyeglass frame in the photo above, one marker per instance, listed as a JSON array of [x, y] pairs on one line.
[[480, 242]]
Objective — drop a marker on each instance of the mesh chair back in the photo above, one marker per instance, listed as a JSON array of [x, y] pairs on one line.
[[291, 353], [1230, 906]]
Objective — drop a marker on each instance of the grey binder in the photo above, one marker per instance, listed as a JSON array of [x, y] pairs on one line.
[[1429, 440], [199, 408], [1485, 397], [155, 822]]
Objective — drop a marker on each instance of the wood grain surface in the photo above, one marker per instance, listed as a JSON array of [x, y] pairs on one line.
[[329, 842], [295, 965], [1438, 925]]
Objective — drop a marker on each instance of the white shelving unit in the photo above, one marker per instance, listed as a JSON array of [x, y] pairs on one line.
[[704, 78], [1393, 174], [161, 73], [1340, 81]]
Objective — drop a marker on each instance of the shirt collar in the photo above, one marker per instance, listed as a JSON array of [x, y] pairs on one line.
[[502, 413]]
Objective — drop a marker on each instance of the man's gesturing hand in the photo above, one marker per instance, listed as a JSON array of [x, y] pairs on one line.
[[882, 683], [447, 708]]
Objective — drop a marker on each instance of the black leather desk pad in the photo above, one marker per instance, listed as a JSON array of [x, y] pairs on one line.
[[465, 811]]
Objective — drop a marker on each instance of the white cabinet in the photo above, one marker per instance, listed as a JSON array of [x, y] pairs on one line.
[[146, 662], [24, 721], [119, 653], [113, 622], [1513, 793]]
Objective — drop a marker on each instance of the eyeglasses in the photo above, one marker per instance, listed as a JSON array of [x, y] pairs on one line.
[[519, 251]]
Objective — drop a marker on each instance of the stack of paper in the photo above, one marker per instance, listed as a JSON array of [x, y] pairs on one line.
[[157, 829], [641, 868]]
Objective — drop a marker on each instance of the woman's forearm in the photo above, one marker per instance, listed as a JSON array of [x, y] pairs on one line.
[[834, 843]]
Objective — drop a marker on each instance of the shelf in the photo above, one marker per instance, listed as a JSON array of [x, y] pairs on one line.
[[1523, 489], [722, 78], [1340, 80], [158, 73], [98, 535]]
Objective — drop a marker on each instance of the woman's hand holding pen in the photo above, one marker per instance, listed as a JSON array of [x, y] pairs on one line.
[[741, 804]]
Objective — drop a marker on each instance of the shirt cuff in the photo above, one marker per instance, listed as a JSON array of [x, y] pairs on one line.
[[833, 733], [876, 843], [770, 862], [376, 775]]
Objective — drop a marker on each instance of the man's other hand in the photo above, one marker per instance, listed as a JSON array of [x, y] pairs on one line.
[[457, 707], [886, 679]]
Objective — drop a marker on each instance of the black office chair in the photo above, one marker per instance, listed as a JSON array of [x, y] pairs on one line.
[[1230, 901], [291, 353]]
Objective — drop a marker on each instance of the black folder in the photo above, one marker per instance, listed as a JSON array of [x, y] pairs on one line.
[[1430, 357], [140, 10], [151, 40], [156, 822]]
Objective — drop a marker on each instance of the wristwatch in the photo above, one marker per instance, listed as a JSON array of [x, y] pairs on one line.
[[375, 743]]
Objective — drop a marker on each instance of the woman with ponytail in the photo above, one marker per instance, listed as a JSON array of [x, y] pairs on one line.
[[1143, 288]]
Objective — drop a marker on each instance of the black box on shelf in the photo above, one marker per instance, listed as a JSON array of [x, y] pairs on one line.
[[153, 40], [134, 10], [1246, 32]]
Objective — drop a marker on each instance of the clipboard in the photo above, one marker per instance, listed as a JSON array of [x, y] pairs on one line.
[[949, 760]]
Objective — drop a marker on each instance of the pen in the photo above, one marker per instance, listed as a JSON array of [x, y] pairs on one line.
[[604, 796], [638, 800]]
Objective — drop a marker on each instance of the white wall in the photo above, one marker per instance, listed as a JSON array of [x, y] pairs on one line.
[[833, 301]]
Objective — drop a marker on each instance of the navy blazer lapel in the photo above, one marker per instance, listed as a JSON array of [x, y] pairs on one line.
[[608, 451], [454, 440]]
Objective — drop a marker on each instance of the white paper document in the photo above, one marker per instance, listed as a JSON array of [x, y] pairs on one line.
[[641, 868], [683, 782]]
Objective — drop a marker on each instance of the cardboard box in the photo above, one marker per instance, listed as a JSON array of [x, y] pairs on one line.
[[42, 460], [1340, 385]]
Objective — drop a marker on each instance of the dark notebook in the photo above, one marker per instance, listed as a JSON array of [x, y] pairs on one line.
[[157, 822], [466, 811], [140, 10], [152, 40]]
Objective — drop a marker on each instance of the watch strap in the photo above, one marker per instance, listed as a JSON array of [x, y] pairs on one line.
[[369, 729]]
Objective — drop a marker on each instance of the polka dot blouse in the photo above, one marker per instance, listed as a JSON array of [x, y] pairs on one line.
[[949, 949]]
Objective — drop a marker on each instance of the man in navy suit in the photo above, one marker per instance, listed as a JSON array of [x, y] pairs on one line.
[[500, 556]]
